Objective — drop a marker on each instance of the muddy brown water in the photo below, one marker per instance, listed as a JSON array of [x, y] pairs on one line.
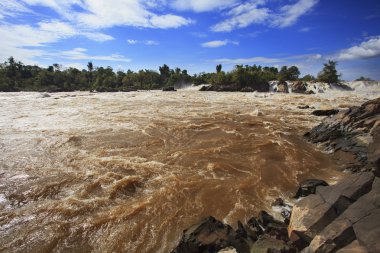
[[127, 172]]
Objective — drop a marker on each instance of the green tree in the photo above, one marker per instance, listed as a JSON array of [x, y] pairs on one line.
[[218, 68], [329, 74]]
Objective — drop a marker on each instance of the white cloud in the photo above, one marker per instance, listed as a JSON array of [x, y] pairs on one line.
[[289, 14], [201, 5], [242, 16], [255, 60], [218, 43], [108, 13], [11, 8], [367, 49], [25, 42], [144, 42], [80, 54]]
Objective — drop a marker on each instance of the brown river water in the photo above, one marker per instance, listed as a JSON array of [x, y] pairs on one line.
[[127, 172]]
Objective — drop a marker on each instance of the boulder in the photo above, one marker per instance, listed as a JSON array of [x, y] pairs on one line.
[[210, 235], [299, 87], [325, 112], [315, 212], [282, 87], [352, 132], [308, 187], [360, 221], [169, 88]]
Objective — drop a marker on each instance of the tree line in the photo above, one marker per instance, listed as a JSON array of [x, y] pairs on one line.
[[16, 76]]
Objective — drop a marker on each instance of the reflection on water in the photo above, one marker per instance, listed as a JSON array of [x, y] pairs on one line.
[[127, 172]]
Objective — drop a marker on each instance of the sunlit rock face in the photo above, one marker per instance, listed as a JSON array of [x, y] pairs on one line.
[[127, 172]]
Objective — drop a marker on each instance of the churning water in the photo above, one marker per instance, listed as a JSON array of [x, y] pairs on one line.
[[127, 172]]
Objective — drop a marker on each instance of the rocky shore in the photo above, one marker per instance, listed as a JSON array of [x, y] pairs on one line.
[[343, 218]]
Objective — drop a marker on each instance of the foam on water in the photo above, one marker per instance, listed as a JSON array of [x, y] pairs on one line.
[[127, 172]]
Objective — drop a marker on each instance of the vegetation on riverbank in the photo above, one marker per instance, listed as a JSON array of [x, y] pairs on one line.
[[16, 76]]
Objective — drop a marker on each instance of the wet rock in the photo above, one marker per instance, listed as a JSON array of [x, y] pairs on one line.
[[210, 235], [308, 187], [170, 88], [299, 87], [278, 202], [314, 213], [353, 132], [325, 112]]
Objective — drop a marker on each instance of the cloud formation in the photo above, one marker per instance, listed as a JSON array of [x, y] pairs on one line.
[[242, 16], [201, 5], [144, 42], [366, 49], [218, 43], [256, 12]]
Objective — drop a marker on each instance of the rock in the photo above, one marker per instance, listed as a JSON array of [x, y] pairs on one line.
[[341, 86], [325, 112], [304, 107], [268, 244], [282, 87], [45, 95], [299, 87], [170, 88], [278, 202], [312, 214], [247, 89], [352, 132], [360, 221], [308, 187], [353, 247], [210, 235]]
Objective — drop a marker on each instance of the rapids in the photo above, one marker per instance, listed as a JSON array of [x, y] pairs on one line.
[[127, 172]]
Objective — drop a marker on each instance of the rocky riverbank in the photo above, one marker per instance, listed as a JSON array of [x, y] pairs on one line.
[[344, 217]]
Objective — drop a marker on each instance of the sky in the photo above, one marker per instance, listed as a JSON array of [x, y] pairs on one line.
[[194, 34]]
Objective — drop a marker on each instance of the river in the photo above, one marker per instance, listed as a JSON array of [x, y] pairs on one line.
[[127, 172]]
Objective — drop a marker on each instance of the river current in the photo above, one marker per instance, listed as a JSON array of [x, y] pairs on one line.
[[128, 172]]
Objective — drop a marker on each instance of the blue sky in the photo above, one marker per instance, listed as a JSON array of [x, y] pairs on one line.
[[195, 35]]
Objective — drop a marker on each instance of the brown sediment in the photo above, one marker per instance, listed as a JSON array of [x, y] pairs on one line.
[[127, 172]]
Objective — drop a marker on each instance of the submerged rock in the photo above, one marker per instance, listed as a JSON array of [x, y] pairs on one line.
[[170, 88], [210, 235], [325, 112]]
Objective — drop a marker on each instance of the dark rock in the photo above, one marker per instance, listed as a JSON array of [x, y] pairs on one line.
[[325, 112], [308, 187], [341, 86], [303, 107], [299, 87], [278, 202], [210, 235], [170, 88], [353, 132], [264, 218]]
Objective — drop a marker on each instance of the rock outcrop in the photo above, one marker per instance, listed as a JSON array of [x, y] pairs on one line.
[[355, 131], [339, 217]]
